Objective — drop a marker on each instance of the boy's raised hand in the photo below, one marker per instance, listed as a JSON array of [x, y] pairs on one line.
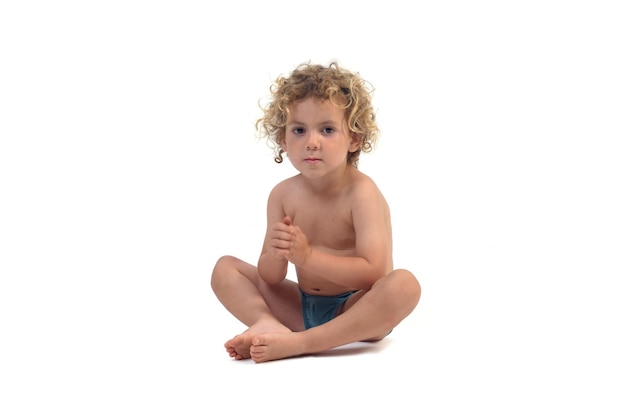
[[280, 238], [289, 242], [299, 249]]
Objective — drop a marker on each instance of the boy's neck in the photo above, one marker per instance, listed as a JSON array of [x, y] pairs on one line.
[[330, 185]]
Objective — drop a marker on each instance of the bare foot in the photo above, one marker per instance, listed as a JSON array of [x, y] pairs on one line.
[[239, 346], [272, 346]]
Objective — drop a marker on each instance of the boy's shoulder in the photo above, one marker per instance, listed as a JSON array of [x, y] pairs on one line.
[[284, 187], [287, 183], [364, 185]]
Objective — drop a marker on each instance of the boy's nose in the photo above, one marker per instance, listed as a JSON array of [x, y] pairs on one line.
[[312, 143]]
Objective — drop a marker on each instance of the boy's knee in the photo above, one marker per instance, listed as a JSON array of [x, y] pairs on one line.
[[225, 261], [223, 264], [408, 284]]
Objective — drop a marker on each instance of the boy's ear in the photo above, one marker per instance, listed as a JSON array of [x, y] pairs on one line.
[[355, 142]]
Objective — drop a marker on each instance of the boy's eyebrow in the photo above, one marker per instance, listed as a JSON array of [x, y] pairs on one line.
[[324, 122]]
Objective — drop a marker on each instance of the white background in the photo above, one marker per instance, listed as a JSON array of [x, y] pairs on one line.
[[129, 164]]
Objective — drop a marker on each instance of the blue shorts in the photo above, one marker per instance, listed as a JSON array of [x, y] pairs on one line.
[[319, 309]]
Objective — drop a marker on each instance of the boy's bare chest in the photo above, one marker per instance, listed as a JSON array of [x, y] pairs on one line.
[[325, 223]]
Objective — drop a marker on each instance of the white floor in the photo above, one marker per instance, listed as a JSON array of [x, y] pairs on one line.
[[151, 344], [128, 165]]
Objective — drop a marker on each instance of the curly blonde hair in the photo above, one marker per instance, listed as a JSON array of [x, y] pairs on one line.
[[341, 87]]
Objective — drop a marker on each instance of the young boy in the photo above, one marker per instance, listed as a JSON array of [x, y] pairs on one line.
[[330, 221]]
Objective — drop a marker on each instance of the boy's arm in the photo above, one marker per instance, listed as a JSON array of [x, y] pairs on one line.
[[271, 268], [372, 259], [272, 264]]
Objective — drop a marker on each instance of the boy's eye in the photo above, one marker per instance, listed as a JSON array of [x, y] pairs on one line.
[[328, 130], [298, 130]]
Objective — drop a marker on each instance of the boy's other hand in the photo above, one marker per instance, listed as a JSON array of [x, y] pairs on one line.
[[281, 237], [299, 248]]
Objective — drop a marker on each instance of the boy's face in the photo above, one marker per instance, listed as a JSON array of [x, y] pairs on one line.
[[317, 139]]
